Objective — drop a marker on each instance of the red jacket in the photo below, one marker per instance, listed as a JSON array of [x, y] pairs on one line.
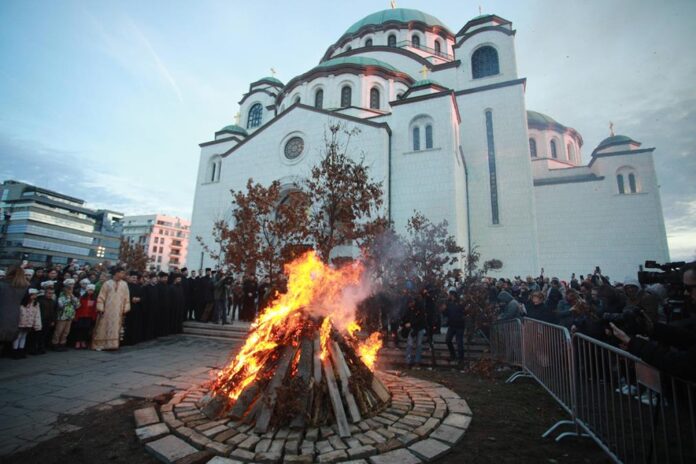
[[88, 307]]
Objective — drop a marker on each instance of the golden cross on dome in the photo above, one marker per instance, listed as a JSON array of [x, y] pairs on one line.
[[273, 72], [611, 128], [393, 4], [424, 72], [237, 117]]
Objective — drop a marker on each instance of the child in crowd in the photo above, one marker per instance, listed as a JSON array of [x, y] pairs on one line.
[[85, 317], [29, 320], [67, 305], [39, 341]]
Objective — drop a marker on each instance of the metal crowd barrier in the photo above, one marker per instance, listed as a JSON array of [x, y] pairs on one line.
[[506, 342], [635, 413]]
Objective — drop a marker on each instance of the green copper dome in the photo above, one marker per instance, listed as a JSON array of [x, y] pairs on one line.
[[270, 80], [541, 119], [234, 129], [356, 61], [399, 15], [616, 140]]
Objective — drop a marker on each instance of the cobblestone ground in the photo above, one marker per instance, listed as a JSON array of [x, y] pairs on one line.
[[36, 390]]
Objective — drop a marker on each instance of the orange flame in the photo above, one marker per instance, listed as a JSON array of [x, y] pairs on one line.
[[314, 289], [324, 337], [368, 349], [352, 327]]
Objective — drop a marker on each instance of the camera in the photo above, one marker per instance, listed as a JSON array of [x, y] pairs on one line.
[[670, 276]]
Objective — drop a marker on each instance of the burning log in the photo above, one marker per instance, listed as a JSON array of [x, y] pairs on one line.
[[344, 375], [304, 373], [264, 416], [335, 396]]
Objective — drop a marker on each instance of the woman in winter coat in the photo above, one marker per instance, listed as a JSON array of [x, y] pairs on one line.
[[12, 290], [29, 320]]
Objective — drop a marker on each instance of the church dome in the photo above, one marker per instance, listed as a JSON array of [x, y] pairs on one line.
[[234, 129], [535, 118], [395, 15], [269, 80], [615, 140]]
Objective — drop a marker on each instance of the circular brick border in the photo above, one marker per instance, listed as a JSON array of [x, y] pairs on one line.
[[423, 421]]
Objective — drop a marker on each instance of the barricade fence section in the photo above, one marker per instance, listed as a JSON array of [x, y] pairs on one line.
[[548, 358], [506, 342], [635, 413]]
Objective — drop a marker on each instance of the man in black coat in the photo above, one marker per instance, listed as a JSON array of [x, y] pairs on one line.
[[134, 317], [177, 305], [162, 324], [250, 288], [205, 290], [456, 324], [150, 305]]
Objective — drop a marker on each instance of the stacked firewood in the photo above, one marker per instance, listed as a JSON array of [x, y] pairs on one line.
[[298, 387]]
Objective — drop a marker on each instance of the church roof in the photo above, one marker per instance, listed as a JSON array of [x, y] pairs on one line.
[[235, 129], [269, 80], [398, 15], [356, 61], [424, 82], [541, 119], [615, 140]]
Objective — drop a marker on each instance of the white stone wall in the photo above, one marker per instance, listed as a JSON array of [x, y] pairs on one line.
[[586, 224], [513, 240], [262, 159]]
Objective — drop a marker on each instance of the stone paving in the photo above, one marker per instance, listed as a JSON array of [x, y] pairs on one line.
[[36, 390], [423, 421]]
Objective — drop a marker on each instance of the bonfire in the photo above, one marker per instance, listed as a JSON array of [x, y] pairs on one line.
[[303, 363]]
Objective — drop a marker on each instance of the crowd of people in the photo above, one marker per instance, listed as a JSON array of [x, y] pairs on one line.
[[638, 318], [81, 307]]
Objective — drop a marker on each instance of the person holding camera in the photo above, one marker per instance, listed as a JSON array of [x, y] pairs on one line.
[[657, 349]]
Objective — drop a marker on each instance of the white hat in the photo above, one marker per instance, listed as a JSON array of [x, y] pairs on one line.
[[48, 283], [85, 281], [631, 281], [33, 291], [68, 282], [91, 287], [29, 272]]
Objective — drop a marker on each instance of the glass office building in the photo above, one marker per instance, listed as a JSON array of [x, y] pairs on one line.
[[47, 227]]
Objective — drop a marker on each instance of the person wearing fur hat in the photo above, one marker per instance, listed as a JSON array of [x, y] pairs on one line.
[[80, 292], [67, 305], [85, 316], [29, 320]]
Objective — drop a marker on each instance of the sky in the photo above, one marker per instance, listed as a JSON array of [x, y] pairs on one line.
[[108, 100]]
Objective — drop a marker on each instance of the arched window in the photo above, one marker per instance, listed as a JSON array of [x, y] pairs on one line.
[[415, 41], [416, 138], [319, 99], [346, 96], [297, 99], [620, 183], [571, 152], [368, 43], [349, 48], [554, 150], [374, 98], [399, 96], [437, 47], [492, 172], [632, 183], [429, 136], [254, 118], [391, 40], [484, 62], [532, 147], [214, 168]]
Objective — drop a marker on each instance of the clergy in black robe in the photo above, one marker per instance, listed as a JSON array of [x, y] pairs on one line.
[[151, 294], [133, 323], [206, 296], [250, 288], [177, 305], [162, 323]]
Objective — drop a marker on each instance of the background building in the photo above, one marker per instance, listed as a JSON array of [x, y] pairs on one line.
[[43, 227], [444, 126], [165, 238]]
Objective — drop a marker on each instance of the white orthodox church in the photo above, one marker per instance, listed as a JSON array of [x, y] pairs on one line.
[[444, 125]]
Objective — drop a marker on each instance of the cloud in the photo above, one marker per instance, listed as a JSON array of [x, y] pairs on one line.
[[130, 47], [76, 174]]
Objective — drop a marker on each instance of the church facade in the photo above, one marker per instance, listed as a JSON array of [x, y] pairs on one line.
[[444, 126]]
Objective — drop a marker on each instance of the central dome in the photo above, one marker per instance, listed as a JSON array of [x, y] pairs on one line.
[[398, 15]]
